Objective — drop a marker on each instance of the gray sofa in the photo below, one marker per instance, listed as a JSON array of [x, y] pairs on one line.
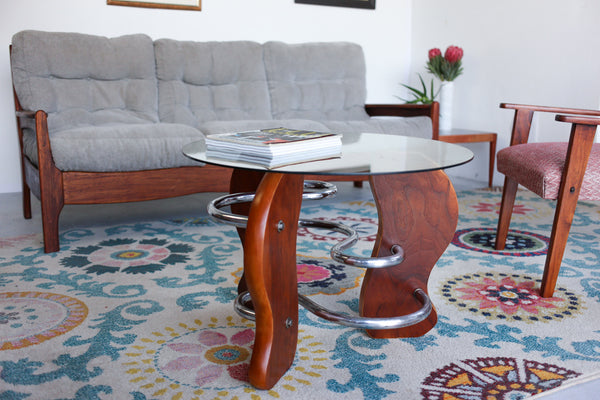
[[103, 120]]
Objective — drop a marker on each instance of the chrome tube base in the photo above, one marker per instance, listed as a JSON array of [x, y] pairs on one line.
[[243, 308], [313, 190]]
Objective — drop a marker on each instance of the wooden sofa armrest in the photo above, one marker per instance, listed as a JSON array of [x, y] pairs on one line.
[[524, 116], [578, 120], [408, 110]]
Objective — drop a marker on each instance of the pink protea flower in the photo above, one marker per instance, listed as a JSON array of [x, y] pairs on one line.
[[446, 68], [453, 54], [434, 53]]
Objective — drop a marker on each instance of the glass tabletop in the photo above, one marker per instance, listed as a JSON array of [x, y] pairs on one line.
[[363, 154]]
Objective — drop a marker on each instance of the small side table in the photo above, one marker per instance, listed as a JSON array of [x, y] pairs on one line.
[[471, 136]]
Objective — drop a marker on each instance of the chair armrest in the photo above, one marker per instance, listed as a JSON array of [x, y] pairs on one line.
[[578, 120], [524, 115], [408, 110], [558, 110]]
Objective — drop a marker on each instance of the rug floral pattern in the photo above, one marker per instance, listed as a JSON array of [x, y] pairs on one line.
[[144, 311]]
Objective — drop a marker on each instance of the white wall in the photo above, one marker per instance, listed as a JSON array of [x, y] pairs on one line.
[[520, 51], [384, 34]]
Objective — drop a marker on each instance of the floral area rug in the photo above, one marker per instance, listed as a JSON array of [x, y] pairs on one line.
[[144, 311]]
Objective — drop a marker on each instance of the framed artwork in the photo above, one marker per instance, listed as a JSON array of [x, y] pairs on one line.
[[341, 3], [172, 4]]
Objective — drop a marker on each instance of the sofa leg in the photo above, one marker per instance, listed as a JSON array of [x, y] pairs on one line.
[[508, 201], [50, 216], [26, 199], [52, 201]]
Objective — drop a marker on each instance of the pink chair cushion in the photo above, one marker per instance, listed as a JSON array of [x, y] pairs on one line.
[[539, 166]]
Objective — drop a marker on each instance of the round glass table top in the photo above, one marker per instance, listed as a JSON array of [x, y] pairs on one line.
[[363, 154]]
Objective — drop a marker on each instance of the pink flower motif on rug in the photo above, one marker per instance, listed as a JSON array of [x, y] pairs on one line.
[[15, 241], [513, 297], [507, 294], [310, 273], [213, 355]]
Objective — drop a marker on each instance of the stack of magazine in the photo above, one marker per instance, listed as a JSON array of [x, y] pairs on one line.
[[274, 147]]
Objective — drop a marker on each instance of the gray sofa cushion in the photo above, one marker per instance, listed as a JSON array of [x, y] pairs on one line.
[[318, 81], [120, 147], [84, 80], [211, 81], [413, 126]]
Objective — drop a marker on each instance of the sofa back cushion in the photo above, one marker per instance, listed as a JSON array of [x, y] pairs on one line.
[[82, 80], [320, 81], [208, 81]]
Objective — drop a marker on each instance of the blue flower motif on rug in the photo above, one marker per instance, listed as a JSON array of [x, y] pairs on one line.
[[518, 243], [127, 255]]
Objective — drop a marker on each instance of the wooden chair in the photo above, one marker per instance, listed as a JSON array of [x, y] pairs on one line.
[[559, 171]]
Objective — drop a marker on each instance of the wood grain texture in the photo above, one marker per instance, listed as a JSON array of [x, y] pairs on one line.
[[154, 5], [475, 138], [243, 181], [550, 109], [509, 192], [580, 146], [51, 185], [270, 270], [419, 212]]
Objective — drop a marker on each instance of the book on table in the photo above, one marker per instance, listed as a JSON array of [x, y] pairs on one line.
[[274, 147]]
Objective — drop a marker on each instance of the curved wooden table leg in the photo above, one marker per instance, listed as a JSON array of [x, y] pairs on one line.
[[419, 212], [270, 271], [242, 181]]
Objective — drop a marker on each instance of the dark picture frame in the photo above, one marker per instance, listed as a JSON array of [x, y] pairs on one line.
[[341, 3], [195, 5]]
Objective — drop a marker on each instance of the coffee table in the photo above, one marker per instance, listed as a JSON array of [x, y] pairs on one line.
[[417, 216]]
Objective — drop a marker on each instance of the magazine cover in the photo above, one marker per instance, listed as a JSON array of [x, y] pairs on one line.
[[266, 137]]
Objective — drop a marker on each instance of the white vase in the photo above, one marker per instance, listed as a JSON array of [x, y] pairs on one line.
[[446, 100]]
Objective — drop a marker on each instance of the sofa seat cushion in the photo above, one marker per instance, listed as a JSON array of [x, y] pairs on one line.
[[318, 81], [207, 81], [214, 127], [413, 126], [119, 147]]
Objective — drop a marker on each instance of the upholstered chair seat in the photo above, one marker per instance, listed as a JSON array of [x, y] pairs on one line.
[[539, 168]]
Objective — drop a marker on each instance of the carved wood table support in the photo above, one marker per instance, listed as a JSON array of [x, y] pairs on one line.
[[270, 274], [417, 211]]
